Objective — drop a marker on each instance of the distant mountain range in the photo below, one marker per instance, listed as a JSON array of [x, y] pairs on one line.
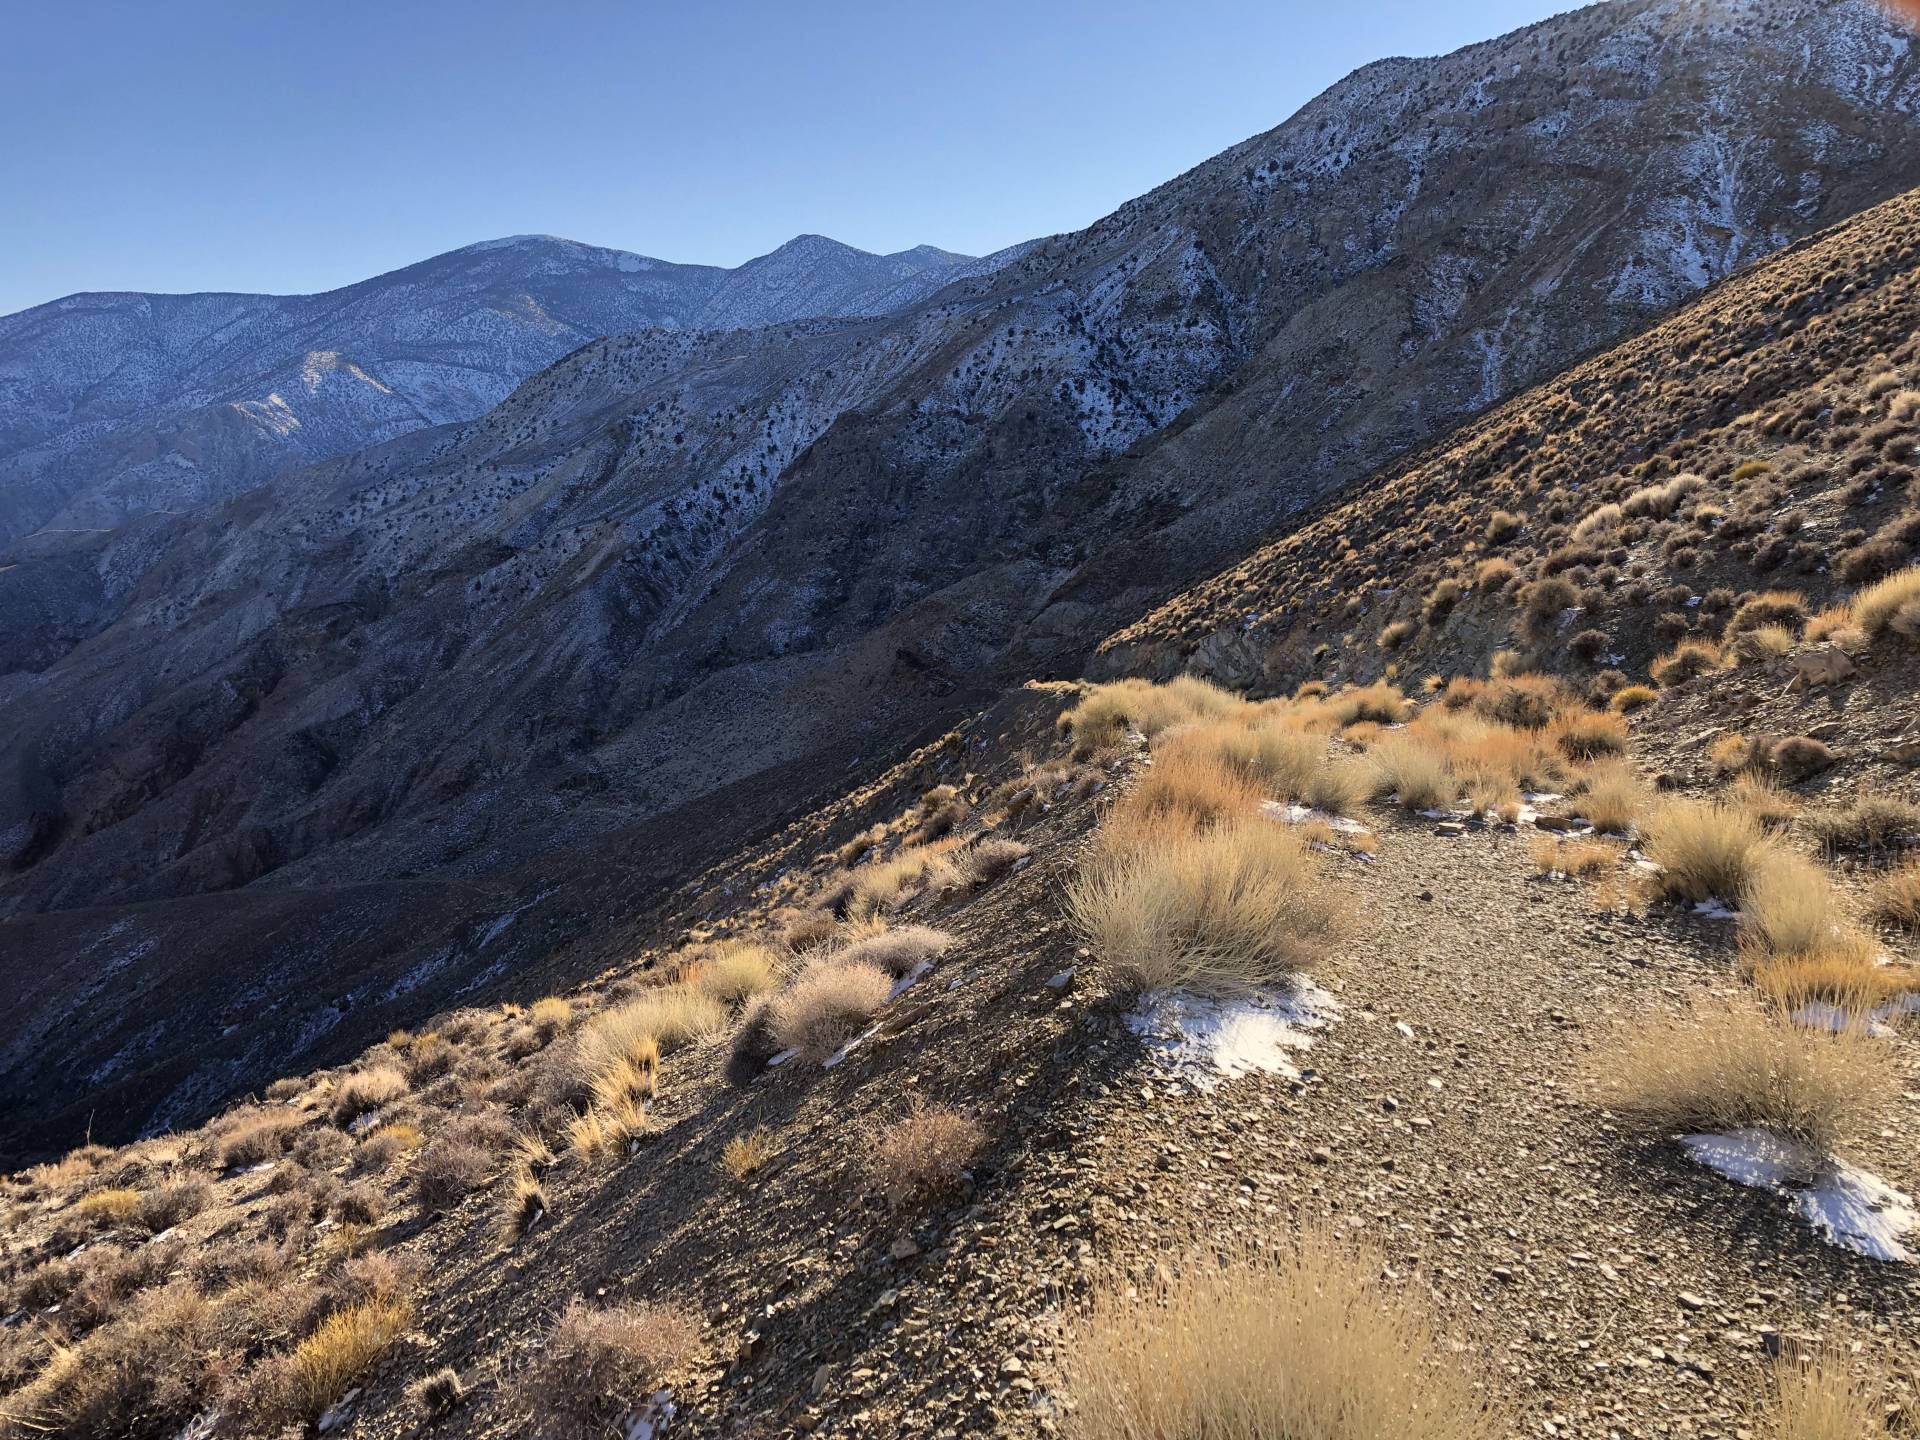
[[114, 405]]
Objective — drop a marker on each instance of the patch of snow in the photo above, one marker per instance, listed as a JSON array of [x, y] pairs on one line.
[[1715, 909], [913, 977], [1850, 1207], [782, 1058], [1204, 1040], [651, 1418], [1303, 815]]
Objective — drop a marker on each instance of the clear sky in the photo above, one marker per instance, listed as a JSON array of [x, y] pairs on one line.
[[288, 146]]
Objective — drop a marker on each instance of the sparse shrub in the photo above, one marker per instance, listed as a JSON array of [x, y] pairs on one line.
[[1502, 526], [897, 951], [1441, 600], [1659, 501], [1548, 597], [549, 1016], [253, 1137], [365, 1091], [1706, 850], [925, 1155], [746, 1153], [1767, 642], [1493, 575], [986, 861], [1588, 646], [1787, 904], [103, 1209], [736, 973], [1896, 899], [1379, 702], [1614, 798], [303, 1384], [1102, 718], [1584, 734], [1235, 907], [1876, 824], [1689, 659], [1302, 1343], [1765, 801], [1629, 698], [1551, 855], [379, 1148], [1889, 607], [1393, 636], [809, 929], [427, 1057], [1824, 1395], [606, 1130], [168, 1206], [826, 1006], [1191, 787], [1729, 1065], [1785, 608], [446, 1172], [1414, 771], [599, 1365], [359, 1205], [754, 1043], [438, 1395], [668, 1016]]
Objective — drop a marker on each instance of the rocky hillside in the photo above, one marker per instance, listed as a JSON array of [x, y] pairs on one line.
[[114, 406], [398, 726]]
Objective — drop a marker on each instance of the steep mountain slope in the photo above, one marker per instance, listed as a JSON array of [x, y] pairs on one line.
[[420, 706], [117, 405]]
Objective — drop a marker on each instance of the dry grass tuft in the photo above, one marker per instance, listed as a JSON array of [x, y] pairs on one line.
[[925, 1155], [1103, 717], [1629, 698], [1417, 773], [1552, 856], [1613, 798], [302, 1384], [1824, 1396], [897, 951], [550, 1016], [1585, 734], [523, 1204], [746, 1153], [1896, 899], [1878, 610], [1787, 905], [606, 1131], [365, 1091], [446, 1172], [660, 1020], [600, 1365], [1730, 1065], [1302, 1344], [1706, 850], [826, 1006], [1236, 907], [1875, 824], [736, 972], [438, 1395]]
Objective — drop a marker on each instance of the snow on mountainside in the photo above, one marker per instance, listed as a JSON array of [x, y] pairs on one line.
[[116, 405]]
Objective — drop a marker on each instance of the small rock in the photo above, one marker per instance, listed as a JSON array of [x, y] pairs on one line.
[[1449, 827], [1904, 751], [1558, 823], [1691, 1300], [903, 1249], [1321, 1157], [822, 1377], [1059, 983]]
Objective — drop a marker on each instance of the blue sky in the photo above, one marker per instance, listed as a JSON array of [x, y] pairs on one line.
[[193, 145]]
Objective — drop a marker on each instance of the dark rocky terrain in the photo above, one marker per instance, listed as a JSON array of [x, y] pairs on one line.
[[388, 729]]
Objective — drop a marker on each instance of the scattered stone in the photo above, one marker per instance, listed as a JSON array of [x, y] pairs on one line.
[[903, 1249], [1059, 983], [1691, 1300]]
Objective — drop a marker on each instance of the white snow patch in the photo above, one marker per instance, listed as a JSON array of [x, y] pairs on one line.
[[1715, 909], [1850, 1207], [1303, 815], [651, 1418], [1204, 1040]]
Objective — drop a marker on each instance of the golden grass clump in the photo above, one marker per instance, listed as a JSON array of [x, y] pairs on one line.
[[1303, 1344], [1613, 797], [880, 885], [1553, 856], [1889, 605], [1629, 698], [1379, 702], [668, 1016], [1414, 771], [1688, 659], [1585, 734], [744, 1154], [319, 1370], [1190, 786], [1236, 907], [896, 951], [605, 1131], [1896, 899], [598, 1365], [1104, 716], [104, 1208], [1279, 758], [826, 1005], [1705, 849], [1728, 1064], [736, 972], [551, 1015], [1824, 1395], [1787, 905], [1845, 975], [365, 1091]]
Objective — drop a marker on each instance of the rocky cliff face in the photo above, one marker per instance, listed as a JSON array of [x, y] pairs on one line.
[[114, 406], [677, 579]]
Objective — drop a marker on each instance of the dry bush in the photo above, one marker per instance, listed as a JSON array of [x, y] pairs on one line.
[[1787, 905], [606, 1131], [1876, 824], [1191, 786], [736, 972], [166, 1207], [145, 1374], [746, 1153], [896, 951], [1261, 1344], [1889, 607], [438, 1395], [808, 929], [1236, 907], [1688, 659], [1629, 698], [1276, 757], [1778, 608], [754, 1042], [522, 1204], [1494, 574], [1613, 797], [1379, 702], [1414, 771], [632, 1078], [1799, 756], [367, 1090], [826, 1006], [301, 1385], [665, 1016], [1573, 857], [381, 1146], [1583, 735], [1393, 636], [1706, 850], [427, 1057], [1765, 801], [1768, 642], [104, 1209], [986, 861], [882, 885], [1339, 787], [549, 1016], [1103, 717], [1659, 501], [1823, 1395], [446, 1172], [925, 1155], [598, 1365], [253, 1137], [1844, 975], [1730, 1065], [1896, 899]]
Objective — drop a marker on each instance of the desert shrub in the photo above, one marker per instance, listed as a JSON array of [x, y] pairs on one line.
[[1786, 903], [881, 885], [1705, 850], [365, 1091], [1785, 608], [1588, 646], [897, 951], [1547, 597], [1614, 797], [809, 929], [1551, 855], [1441, 599], [923, 1155], [986, 861], [1629, 698], [253, 1137], [550, 1015], [735, 973], [826, 1005], [1414, 771], [1189, 786], [1379, 702], [1338, 787], [522, 1205], [1659, 501], [1526, 702], [1585, 734], [380, 1147], [103, 1209], [605, 1131], [1766, 642], [166, 1207], [1393, 636], [1741, 755], [1765, 801], [1502, 526], [668, 1016], [1493, 575], [1102, 718], [427, 1057], [1872, 823], [1896, 899], [438, 1395], [1890, 606], [446, 1172], [1297, 1343], [1844, 975], [1235, 907], [1729, 1065], [1823, 1395], [600, 1364], [1687, 660], [1598, 522], [744, 1154], [302, 1384]]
